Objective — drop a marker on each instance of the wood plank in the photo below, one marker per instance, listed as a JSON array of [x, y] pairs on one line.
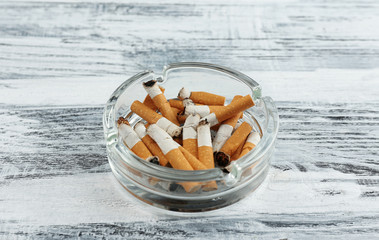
[[290, 204], [307, 87], [68, 39]]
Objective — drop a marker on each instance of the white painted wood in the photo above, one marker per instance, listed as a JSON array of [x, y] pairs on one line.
[[61, 60]]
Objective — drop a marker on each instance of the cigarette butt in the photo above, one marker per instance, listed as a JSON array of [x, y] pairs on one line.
[[226, 128], [202, 97], [233, 120], [149, 102], [140, 129], [190, 134], [129, 136], [230, 110], [160, 100], [176, 104], [133, 142], [251, 141], [154, 118], [169, 147], [231, 145], [205, 152], [193, 161], [202, 110], [223, 133], [173, 154], [204, 143], [190, 108]]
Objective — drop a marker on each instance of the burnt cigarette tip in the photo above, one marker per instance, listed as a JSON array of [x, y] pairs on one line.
[[149, 83], [122, 120], [154, 160], [203, 122], [183, 93], [222, 159]]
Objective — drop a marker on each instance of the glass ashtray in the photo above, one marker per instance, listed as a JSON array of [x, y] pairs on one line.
[[161, 186]]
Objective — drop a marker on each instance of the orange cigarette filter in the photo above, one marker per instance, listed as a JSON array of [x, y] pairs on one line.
[[140, 129], [237, 153], [230, 110], [206, 156], [238, 137], [193, 161], [160, 100], [173, 154], [202, 97], [205, 152], [233, 120], [251, 141], [149, 102], [152, 117], [226, 128], [190, 134], [176, 104], [204, 143], [191, 146], [176, 111]]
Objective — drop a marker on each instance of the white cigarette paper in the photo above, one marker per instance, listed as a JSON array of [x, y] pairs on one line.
[[162, 138], [172, 129], [211, 119], [253, 138], [128, 135], [223, 133], [204, 134], [202, 110], [190, 125], [183, 93], [140, 129], [152, 90], [191, 109]]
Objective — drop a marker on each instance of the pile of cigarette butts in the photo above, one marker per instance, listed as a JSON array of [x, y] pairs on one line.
[[178, 133]]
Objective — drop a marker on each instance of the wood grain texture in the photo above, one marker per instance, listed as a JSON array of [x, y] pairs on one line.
[[60, 60]]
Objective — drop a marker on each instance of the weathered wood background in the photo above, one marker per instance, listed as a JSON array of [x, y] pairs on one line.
[[59, 62]]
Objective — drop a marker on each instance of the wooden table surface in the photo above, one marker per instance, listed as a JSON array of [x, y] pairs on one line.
[[60, 61]]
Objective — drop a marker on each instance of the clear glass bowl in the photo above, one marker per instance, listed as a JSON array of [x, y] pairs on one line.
[[160, 186]]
